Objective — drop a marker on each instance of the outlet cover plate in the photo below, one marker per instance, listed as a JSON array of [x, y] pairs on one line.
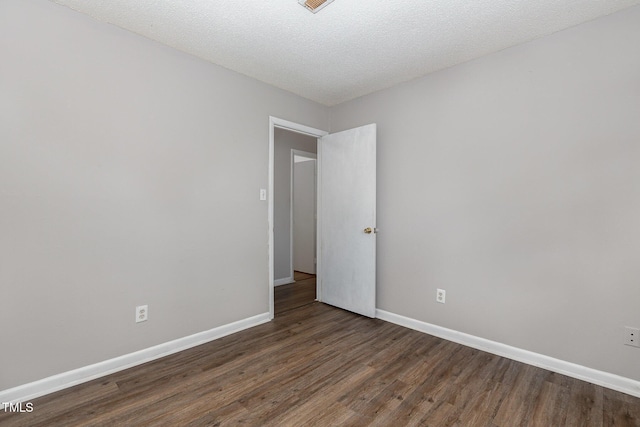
[[631, 336], [441, 295], [142, 313]]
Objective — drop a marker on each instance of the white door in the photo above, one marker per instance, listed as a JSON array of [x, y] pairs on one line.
[[347, 219]]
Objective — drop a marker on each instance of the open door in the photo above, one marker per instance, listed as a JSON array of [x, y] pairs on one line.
[[347, 219]]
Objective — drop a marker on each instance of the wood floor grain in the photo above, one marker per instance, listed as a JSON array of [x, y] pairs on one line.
[[320, 366], [294, 295]]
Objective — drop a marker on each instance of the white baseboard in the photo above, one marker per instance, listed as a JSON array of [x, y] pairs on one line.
[[601, 378], [283, 281], [87, 373]]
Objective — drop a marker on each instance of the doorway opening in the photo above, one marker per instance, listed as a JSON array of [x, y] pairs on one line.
[[286, 141], [302, 222]]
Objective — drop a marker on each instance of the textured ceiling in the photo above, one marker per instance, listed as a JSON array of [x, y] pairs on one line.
[[350, 48]]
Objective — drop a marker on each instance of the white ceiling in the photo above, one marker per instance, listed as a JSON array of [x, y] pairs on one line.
[[350, 48]]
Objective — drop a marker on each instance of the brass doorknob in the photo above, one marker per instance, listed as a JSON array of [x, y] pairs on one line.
[[368, 230]]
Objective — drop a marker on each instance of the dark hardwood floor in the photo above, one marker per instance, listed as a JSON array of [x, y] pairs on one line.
[[320, 366], [294, 295]]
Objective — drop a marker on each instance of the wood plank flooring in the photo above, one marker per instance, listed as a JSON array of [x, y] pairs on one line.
[[294, 295], [320, 366]]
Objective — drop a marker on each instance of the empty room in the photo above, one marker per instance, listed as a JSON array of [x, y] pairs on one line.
[[473, 208]]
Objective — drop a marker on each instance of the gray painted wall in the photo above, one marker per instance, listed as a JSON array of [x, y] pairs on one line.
[[129, 174], [284, 142], [513, 182]]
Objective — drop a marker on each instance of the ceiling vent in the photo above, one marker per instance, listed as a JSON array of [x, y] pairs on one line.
[[314, 5]]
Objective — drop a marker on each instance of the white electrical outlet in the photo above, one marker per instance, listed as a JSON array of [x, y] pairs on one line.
[[142, 313], [441, 294], [263, 194], [631, 336]]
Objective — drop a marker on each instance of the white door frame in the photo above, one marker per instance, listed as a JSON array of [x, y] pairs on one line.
[[275, 122]]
